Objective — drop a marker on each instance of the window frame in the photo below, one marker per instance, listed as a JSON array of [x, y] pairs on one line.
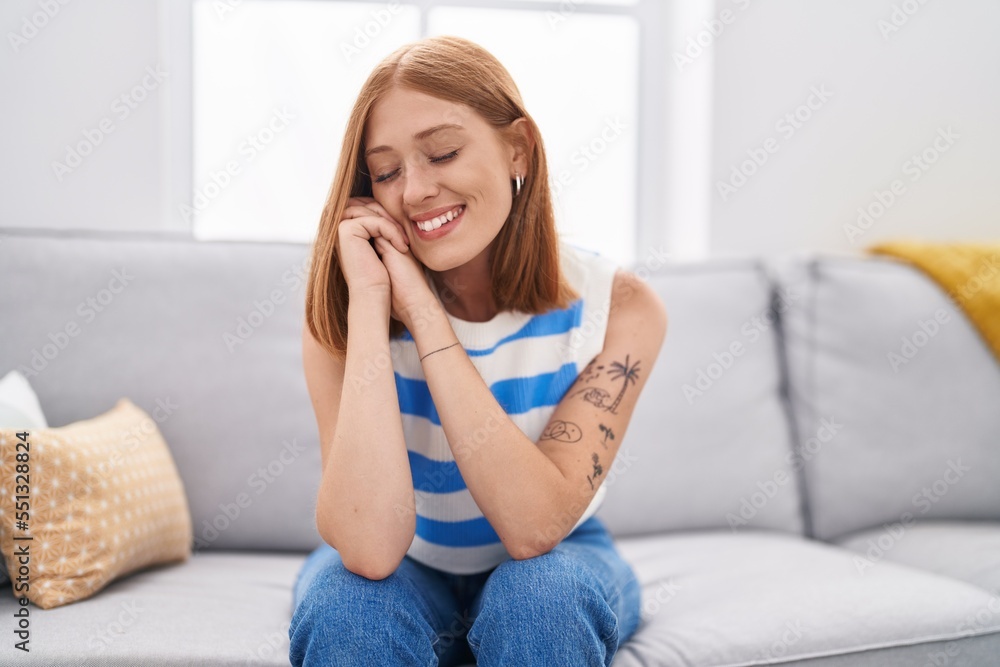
[[176, 42]]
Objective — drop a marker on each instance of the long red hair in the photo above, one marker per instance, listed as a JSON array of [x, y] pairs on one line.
[[525, 274]]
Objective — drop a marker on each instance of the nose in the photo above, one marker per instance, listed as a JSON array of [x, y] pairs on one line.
[[418, 186]]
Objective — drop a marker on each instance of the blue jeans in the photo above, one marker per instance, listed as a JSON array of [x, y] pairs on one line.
[[572, 606]]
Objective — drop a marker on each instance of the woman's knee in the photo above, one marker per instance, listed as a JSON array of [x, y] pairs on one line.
[[548, 593], [341, 612], [340, 594]]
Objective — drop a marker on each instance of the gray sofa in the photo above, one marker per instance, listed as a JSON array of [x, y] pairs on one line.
[[784, 493]]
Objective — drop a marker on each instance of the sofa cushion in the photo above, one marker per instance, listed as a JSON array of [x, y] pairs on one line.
[[18, 408], [714, 598], [965, 550], [103, 499], [205, 336], [219, 608], [879, 350], [709, 599], [709, 445]]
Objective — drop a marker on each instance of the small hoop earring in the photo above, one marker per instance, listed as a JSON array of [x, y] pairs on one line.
[[518, 181]]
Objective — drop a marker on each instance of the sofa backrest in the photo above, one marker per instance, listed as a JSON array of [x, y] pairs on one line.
[[895, 396], [709, 444], [209, 333], [204, 336]]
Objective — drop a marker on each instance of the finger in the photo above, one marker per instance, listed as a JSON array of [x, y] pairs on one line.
[[376, 225], [359, 201], [385, 214], [383, 246], [364, 202], [378, 208]]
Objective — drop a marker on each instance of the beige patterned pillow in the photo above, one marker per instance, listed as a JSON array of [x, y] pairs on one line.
[[105, 499]]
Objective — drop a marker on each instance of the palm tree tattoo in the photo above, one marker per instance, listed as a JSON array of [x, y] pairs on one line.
[[600, 397]]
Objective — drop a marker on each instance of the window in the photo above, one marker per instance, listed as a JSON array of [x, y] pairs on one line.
[[274, 81]]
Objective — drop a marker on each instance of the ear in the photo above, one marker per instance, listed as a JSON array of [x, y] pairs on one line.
[[524, 144]]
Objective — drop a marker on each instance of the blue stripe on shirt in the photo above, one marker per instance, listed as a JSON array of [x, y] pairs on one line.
[[434, 476], [546, 324], [471, 533], [515, 395]]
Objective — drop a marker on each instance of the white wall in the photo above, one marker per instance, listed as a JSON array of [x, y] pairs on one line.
[[63, 81], [890, 96]]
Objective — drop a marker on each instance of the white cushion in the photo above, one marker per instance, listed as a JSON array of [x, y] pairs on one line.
[[19, 408]]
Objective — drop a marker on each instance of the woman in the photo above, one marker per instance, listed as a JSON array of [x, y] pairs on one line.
[[472, 377]]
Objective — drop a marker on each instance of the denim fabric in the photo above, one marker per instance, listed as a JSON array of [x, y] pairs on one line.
[[572, 606]]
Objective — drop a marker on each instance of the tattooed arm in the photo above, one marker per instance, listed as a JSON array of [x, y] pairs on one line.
[[587, 427], [533, 494]]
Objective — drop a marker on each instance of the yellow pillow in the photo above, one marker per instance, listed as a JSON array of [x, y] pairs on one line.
[[104, 500]]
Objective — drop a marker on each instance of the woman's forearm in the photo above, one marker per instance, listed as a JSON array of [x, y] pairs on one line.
[[367, 485], [517, 487]]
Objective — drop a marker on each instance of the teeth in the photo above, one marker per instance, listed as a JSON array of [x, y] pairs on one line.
[[442, 219]]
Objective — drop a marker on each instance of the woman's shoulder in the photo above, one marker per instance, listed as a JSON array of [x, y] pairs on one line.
[[586, 269]]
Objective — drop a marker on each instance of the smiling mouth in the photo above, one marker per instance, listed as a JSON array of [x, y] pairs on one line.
[[441, 220]]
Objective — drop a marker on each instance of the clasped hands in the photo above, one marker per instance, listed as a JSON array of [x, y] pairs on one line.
[[411, 292]]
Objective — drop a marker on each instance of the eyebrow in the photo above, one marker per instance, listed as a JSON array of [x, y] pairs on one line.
[[423, 134]]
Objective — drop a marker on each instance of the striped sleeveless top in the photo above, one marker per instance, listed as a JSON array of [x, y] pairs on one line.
[[528, 362]]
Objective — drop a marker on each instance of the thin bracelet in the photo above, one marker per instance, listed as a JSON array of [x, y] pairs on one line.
[[443, 348]]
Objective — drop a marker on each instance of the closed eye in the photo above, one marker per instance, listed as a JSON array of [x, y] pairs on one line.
[[385, 177], [442, 158], [445, 158]]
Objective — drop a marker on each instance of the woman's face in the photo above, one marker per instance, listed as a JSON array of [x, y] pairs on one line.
[[418, 167]]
